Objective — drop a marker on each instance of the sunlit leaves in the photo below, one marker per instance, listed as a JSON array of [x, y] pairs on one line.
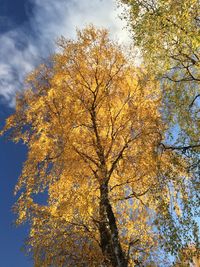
[[167, 34], [92, 122]]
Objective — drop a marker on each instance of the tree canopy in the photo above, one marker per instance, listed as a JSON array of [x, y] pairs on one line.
[[168, 35], [94, 129]]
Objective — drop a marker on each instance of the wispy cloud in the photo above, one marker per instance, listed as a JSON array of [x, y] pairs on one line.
[[24, 47]]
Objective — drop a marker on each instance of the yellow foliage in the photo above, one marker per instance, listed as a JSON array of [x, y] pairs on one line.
[[91, 122]]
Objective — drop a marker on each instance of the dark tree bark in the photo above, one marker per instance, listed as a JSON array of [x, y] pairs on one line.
[[110, 243]]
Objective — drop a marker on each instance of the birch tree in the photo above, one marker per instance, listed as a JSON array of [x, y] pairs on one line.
[[93, 128]]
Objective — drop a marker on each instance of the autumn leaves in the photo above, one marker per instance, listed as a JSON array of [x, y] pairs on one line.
[[93, 124]]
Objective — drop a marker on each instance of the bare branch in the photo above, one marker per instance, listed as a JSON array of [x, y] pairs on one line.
[[184, 148], [192, 103], [86, 156], [136, 195]]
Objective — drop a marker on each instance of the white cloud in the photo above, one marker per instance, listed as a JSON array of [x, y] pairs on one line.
[[25, 46]]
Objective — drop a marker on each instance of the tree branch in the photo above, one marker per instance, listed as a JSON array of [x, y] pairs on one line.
[[180, 147], [192, 103]]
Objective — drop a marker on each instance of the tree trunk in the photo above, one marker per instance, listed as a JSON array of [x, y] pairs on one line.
[[110, 243]]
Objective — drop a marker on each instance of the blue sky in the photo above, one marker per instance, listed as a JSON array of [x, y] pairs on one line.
[[28, 30]]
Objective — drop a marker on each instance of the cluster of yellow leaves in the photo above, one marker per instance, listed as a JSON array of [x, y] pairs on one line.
[[90, 101]]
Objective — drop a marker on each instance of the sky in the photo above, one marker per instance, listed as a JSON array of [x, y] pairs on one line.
[[28, 31]]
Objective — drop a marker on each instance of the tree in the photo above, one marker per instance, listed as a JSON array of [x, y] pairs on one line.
[[167, 33], [93, 128]]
